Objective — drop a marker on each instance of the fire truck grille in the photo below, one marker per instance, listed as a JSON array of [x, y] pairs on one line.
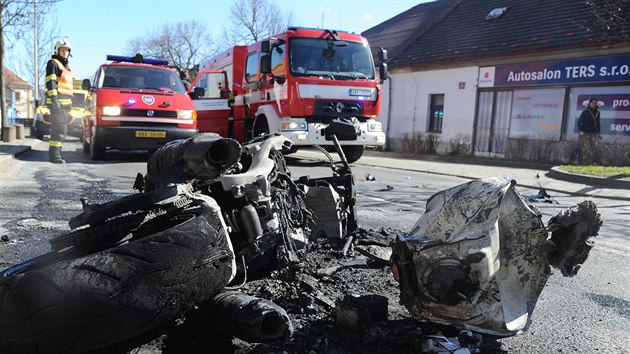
[[149, 113], [338, 108]]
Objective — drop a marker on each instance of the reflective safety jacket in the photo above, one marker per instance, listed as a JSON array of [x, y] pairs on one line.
[[58, 84]]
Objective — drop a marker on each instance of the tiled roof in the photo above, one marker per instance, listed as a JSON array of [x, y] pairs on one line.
[[13, 81], [396, 32], [526, 27]]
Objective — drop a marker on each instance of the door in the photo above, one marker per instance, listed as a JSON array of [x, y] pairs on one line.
[[493, 123], [210, 95]]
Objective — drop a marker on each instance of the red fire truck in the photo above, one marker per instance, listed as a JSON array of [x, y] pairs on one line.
[[295, 83], [136, 103]]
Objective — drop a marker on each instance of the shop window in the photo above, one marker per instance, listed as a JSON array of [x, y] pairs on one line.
[[437, 113]]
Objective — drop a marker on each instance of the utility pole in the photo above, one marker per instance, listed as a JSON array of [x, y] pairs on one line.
[[3, 120], [36, 59]]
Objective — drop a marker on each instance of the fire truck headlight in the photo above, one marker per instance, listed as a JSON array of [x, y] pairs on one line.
[[375, 126], [299, 125], [111, 110], [185, 114]]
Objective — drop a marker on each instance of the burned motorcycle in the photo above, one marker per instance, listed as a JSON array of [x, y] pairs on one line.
[[209, 212]]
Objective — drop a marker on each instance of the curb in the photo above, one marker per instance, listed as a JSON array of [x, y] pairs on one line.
[[556, 173], [12, 155], [10, 151], [480, 161]]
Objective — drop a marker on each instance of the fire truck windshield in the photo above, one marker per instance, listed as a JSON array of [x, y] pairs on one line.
[[320, 57], [141, 78]]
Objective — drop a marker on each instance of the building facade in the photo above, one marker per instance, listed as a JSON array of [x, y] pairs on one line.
[[18, 98], [507, 78]]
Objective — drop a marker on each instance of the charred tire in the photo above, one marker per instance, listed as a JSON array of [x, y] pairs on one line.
[[352, 152], [103, 299]]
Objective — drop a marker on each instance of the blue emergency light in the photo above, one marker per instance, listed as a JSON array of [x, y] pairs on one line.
[[138, 58]]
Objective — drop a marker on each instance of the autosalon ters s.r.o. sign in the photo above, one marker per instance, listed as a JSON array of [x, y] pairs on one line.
[[588, 70]]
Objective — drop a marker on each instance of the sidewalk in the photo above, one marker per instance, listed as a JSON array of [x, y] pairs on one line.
[[525, 174], [9, 151]]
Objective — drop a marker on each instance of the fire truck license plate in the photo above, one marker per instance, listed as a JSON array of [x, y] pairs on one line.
[[147, 134]]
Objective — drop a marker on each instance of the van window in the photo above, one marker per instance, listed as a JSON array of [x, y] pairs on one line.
[[78, 99], [142, 78]]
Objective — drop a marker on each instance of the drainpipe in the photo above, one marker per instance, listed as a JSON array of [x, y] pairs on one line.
[[389, 113]]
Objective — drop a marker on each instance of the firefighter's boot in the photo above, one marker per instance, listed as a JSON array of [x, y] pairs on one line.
[[54, 154]]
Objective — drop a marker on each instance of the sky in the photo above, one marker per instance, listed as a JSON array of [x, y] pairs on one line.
[[96, 28]]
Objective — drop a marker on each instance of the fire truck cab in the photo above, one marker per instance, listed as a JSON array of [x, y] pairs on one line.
[[295, 83], [137, 104]]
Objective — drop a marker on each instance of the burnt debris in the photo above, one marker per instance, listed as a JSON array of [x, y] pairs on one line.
[[571, 232]]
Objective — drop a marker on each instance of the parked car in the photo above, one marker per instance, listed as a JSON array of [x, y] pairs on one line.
[[77, 112]]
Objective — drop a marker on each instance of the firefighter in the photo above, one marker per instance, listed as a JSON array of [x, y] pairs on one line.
[[58, 98]]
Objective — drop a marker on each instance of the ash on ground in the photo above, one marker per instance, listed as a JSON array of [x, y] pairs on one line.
[[337, 303]]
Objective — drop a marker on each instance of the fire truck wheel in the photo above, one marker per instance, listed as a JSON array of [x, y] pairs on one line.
[[261, 127], [111, 299], [96, 152], [352, 152]]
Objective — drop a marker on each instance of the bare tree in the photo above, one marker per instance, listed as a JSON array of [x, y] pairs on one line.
[[253, 20], [16, 16], [46, 37], [184, 44]]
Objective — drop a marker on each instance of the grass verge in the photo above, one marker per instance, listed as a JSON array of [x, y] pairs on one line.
[[599, 171]]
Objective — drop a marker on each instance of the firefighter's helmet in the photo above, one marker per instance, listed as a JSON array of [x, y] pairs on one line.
[[62, 43]]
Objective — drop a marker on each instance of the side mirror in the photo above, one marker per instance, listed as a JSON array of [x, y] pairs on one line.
[[382, 55], [265, 46], [265, 64], [86, 85], [197, 92], [383, 74]]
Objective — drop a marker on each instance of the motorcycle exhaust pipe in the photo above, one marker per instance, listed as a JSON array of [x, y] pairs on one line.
[[203, 156], [249, 318]]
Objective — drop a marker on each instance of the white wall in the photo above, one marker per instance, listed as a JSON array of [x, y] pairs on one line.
[[411, 99]]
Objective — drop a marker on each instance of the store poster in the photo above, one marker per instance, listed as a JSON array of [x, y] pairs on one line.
[[614, 104], [537, 114]]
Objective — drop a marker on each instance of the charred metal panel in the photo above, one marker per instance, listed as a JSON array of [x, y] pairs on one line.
[[477, 258]]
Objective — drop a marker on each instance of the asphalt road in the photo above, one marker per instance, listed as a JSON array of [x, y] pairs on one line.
[[584, 314]]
